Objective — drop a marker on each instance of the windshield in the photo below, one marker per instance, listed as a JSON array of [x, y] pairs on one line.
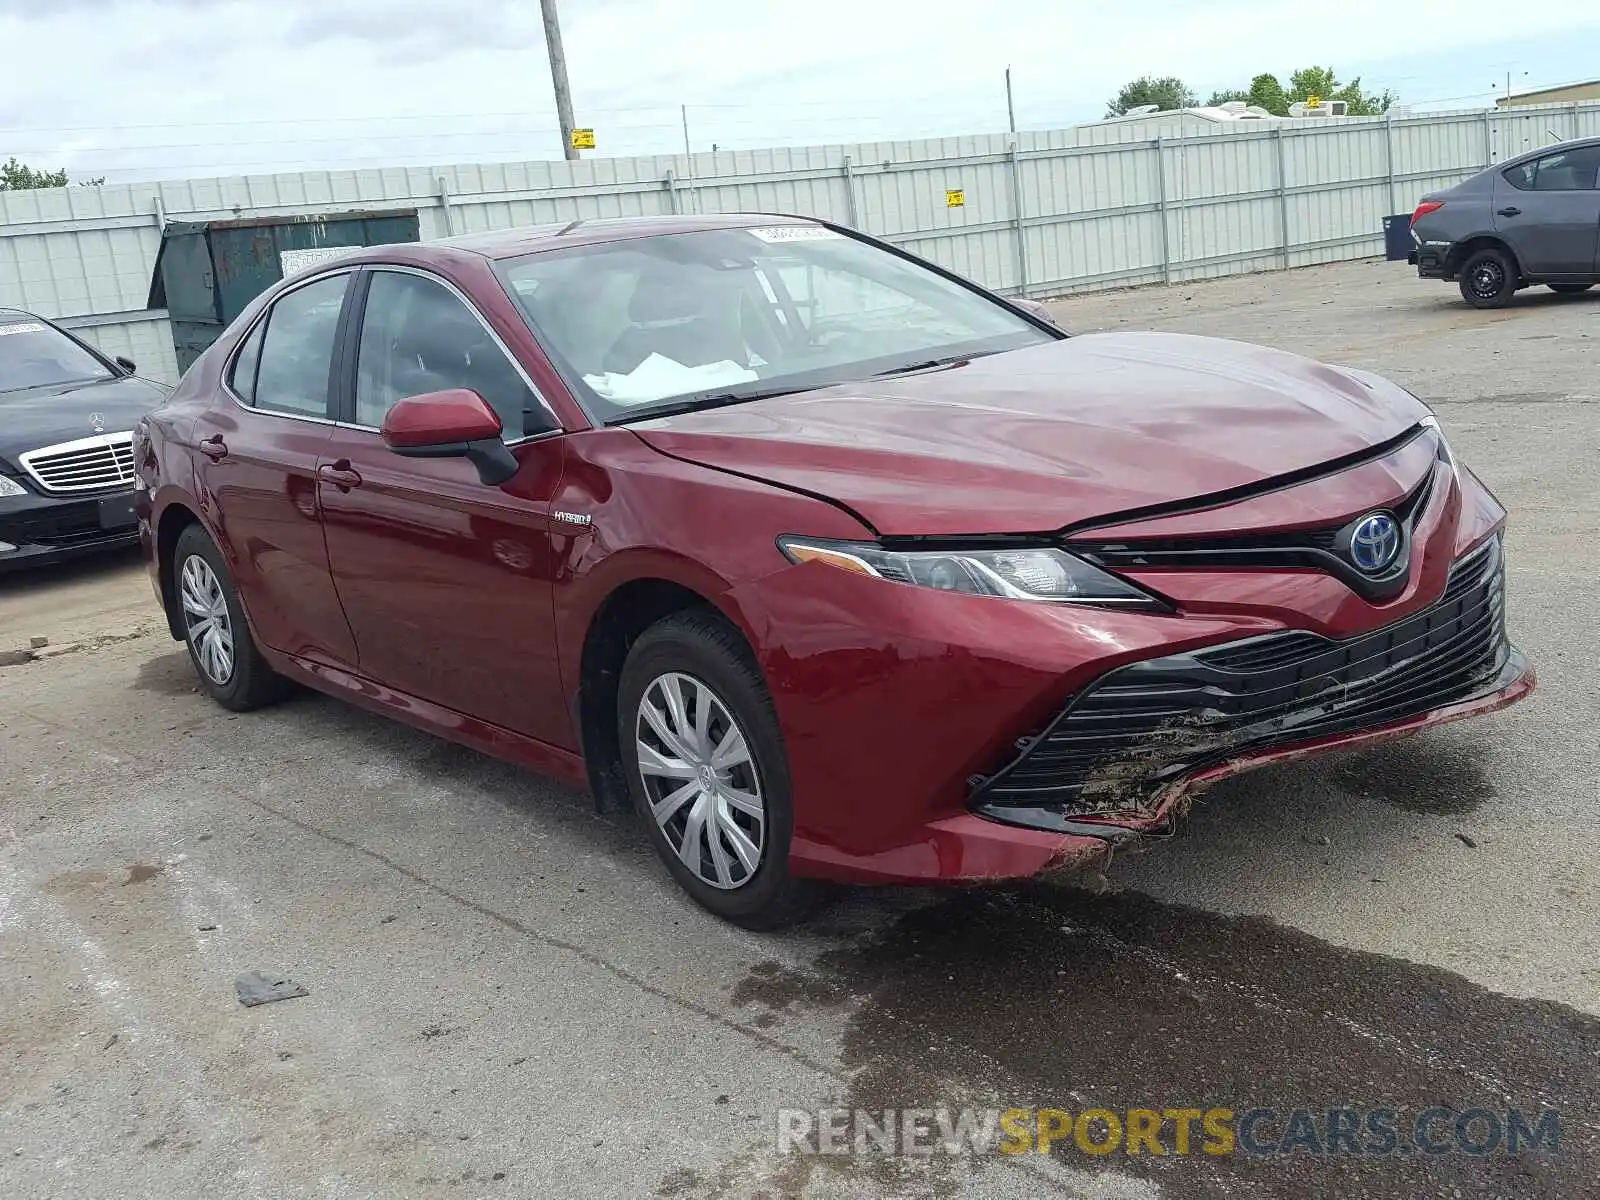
[[728, 313], [32, 354]]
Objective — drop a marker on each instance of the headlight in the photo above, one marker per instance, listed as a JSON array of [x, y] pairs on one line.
[[10, 487], [1025, 573], [1432, 422]]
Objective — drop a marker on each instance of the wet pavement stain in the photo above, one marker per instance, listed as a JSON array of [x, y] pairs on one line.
[[1036, 996], [1422, 775], [775, 987], [168, 675], [142, 873]]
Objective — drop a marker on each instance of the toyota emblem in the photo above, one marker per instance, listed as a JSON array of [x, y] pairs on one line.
[[1375, 543]]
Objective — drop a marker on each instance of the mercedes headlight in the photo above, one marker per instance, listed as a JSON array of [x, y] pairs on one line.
[[10, 487], [1018, 573]]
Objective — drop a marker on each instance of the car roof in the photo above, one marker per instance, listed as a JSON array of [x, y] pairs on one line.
[[11, 316], [534, 239], [1544, 151]]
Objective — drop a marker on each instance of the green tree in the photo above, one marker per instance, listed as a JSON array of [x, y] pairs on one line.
[[14, 177], [1166, 92], [1266, 92], [1227, 96], [1323, 83]]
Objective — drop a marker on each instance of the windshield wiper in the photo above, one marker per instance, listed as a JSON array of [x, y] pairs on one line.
[[929, 364], [699, 403]]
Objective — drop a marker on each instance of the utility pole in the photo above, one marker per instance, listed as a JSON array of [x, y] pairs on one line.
[[558, 75], [1011, 112]]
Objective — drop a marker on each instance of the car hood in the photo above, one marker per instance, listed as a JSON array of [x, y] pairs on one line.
[[44, 416], [1034, 440]]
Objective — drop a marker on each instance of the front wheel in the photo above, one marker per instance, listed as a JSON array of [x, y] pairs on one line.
[[1489, 279], [1570, 289], [706, 764], [224, 654]]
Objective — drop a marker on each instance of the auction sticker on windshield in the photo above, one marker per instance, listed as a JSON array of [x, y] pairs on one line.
[[21, 327], [795, 233]]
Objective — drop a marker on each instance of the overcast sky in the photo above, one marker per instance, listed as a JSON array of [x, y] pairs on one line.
[[141, 89]]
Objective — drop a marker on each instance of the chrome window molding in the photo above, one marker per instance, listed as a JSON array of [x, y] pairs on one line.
[[233, 355], [516, 364]]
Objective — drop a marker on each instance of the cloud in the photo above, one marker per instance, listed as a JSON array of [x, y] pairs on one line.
[[152, 87]]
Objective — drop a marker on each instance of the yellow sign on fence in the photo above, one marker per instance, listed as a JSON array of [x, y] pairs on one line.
[[583, 139], [955, 198]]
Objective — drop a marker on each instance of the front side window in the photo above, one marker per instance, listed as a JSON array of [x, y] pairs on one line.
[[728, 313], [416, 337], [296, 357], [1569, 171], [33, 354]]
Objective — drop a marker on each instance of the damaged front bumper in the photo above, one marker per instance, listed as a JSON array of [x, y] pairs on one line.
[[1123, 757]]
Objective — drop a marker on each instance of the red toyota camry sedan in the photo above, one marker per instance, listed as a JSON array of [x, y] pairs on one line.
[[832, 563]]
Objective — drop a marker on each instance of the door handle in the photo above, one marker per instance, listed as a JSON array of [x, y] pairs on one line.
[[214, 447], [1508, 212], [341, 474]]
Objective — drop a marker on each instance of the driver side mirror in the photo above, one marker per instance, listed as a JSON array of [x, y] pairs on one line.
[[127, 364], [454, 423]]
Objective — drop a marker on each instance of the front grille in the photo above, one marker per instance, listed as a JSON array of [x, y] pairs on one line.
[[1141, 726], [1308, 549], [92, 464]]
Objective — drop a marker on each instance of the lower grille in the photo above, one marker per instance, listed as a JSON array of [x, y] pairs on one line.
[[92, 464], [1139, 727], [60, 526]]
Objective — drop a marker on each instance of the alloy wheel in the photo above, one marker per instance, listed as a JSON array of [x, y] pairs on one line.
[[206, 620], [700, 780]]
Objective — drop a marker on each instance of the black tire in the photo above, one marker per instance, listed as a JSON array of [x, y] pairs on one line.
[[704, 647], [1570, 289], [1489, 278], [249, 683]]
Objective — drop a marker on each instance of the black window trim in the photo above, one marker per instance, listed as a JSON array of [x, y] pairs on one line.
[[1535, 159], [348, 360], [261, 320]]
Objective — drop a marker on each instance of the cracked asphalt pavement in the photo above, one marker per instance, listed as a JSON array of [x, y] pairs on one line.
[[507, 996]]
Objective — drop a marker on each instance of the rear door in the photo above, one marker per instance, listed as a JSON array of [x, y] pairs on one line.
[[448, 582], [1548, 210], [257, 453]]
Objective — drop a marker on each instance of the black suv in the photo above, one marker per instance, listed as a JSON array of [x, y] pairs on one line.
[[66, 454]]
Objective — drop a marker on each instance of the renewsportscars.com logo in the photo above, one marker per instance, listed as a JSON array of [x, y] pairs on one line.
[[1260, 1132]]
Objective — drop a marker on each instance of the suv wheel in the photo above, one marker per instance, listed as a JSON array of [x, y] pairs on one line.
[[706, 764], [1488, 278], [224, 654]]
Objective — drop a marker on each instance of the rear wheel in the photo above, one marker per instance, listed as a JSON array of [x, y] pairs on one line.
[[1488, 278], [1570, 289], [221, 649], [706, 764]]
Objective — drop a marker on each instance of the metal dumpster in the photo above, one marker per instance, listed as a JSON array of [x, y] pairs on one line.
[[1397, 243], [207, 272]]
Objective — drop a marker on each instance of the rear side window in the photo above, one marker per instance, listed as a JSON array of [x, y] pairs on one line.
[[296, 355], [1570, 171], [242, 378]]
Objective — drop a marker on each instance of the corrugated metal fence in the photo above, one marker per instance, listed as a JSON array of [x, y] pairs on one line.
[[1042, 214]]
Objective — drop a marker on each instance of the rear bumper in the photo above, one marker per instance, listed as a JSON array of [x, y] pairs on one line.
[[1432, 262], [48, 529]]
